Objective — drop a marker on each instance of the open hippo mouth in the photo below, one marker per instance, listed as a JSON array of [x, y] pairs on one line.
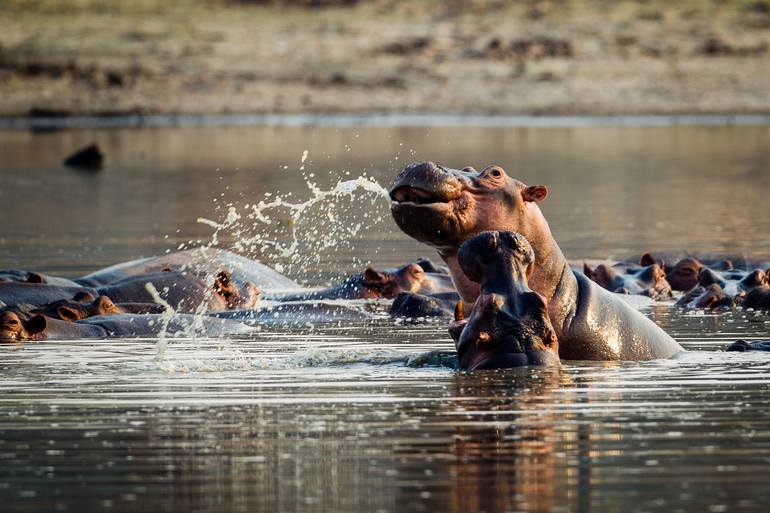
[[430, 203], [509, 324], [409, 194]]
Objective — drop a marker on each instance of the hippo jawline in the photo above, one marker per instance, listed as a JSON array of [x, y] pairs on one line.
[[511, 346], [504, 355]]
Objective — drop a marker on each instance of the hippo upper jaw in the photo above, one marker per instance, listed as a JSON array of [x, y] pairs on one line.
[[434, 204]]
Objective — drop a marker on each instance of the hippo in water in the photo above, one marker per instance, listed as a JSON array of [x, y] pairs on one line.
[[19, 326], [388, 284], [646, 280], [184, 291], [444, 207], [509, 324]]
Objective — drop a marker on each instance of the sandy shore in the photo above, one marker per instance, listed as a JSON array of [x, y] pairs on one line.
[[91, 57]]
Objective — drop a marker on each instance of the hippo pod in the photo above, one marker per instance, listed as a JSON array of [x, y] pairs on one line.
[[444, 207], [509, 324], [647, 279], [724, 288]]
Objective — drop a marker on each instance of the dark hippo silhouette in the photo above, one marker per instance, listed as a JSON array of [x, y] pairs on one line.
[[18, 326], [444, 207], [387, 284], [414, 306], [754, 345], [758, 298], [509, 324]]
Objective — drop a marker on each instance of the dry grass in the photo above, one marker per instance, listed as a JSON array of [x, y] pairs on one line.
[[213, 56]]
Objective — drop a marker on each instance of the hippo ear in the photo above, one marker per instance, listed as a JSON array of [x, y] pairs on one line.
[[35, 278], [222, 279], [223, 284], [67, 313], [373, 278], [534, 193], [36, 324], [601, 275], [103, 304], [588, 271], [646, 260], [84, 297]]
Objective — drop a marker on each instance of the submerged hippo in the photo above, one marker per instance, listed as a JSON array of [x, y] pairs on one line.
[[413, 306], [19, 326], [444, 207], [711, 296], [184, 291], [23, 276], [754, 345], [387, 284], [509, 324]]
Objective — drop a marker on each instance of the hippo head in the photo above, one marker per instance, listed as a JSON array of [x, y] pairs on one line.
[[390, 283], [245, 297], [685, 274], [443, 207], [16, 327], [509, 324], [74, 310]]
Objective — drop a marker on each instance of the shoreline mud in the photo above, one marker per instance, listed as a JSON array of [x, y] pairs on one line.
[[374, 119]]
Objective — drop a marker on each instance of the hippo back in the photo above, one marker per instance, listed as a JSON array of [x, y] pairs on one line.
[[604, 327], [205, 261]]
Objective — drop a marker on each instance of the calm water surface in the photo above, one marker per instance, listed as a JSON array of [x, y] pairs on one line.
[[352, 418]]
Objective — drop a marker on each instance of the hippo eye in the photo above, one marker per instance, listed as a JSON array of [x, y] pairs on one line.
[[496, 172], [12, 323]]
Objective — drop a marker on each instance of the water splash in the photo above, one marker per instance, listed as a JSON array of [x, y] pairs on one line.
[[293, 235], [165, 318]]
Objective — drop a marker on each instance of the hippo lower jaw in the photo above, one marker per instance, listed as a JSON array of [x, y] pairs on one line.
[[442, 223], [513, 360]]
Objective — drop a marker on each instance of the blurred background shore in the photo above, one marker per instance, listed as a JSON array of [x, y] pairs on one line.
[[99, 57]]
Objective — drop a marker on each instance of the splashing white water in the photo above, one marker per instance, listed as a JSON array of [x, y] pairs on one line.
[[294, 234], [165, 319]]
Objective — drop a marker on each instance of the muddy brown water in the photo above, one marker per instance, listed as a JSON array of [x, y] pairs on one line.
[[333, 418]]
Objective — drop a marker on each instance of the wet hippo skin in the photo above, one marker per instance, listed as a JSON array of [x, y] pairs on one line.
[[508, 325], [443, 207]]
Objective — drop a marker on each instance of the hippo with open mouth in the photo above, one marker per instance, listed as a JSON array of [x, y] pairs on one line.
[[509, 324], [444, 207]]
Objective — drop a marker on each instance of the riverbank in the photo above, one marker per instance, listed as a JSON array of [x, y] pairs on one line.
[[562, 58]]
